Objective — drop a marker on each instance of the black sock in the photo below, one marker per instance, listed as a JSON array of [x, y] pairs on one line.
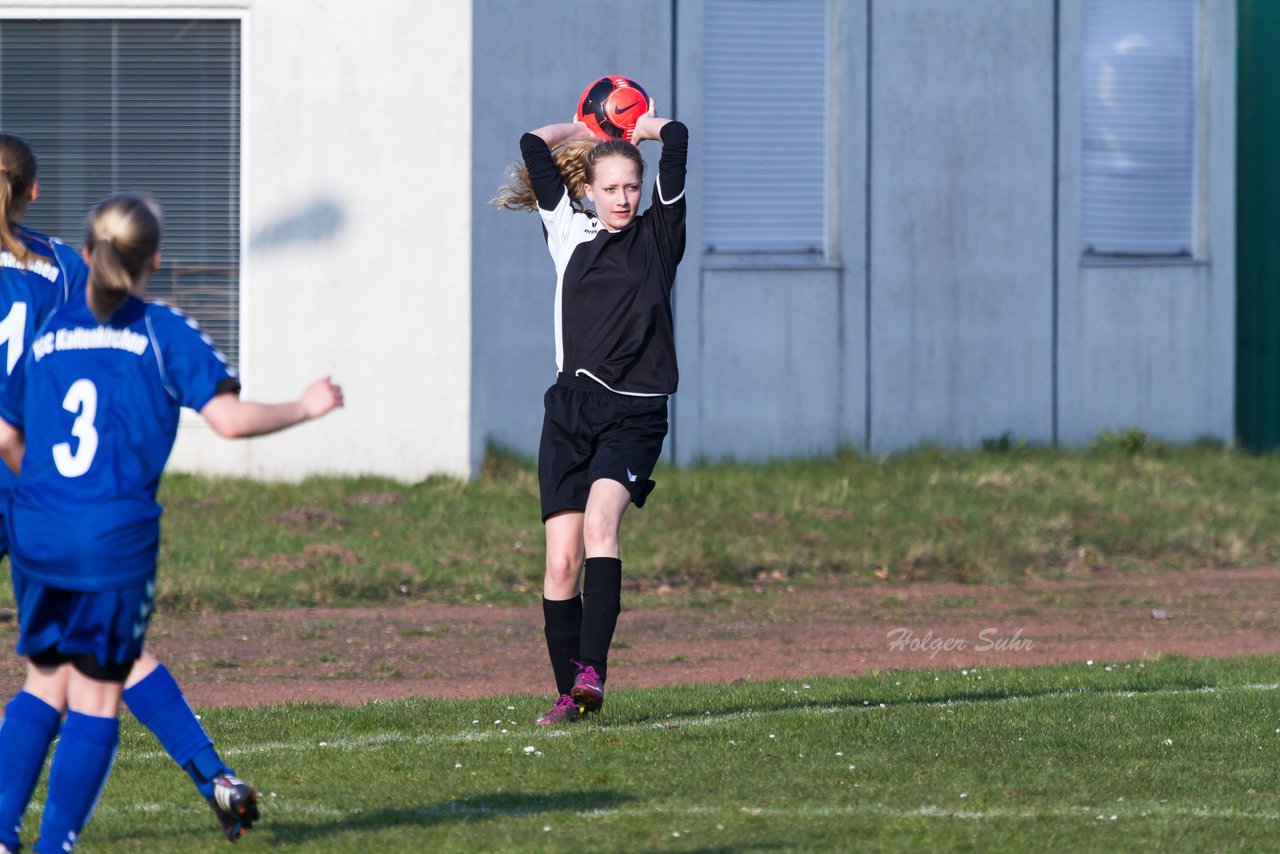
[[601, 602], [563, 628]]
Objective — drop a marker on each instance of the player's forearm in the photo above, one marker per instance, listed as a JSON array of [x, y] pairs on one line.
[[648, 127], [233, 418], [12, 446], [559, 134]]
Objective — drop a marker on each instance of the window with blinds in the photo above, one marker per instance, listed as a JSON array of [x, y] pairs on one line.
[[765, 125], [143, 105], [1139, 117]]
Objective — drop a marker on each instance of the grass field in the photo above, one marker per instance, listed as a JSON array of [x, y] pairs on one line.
[[1164, 755], [1128, 505]]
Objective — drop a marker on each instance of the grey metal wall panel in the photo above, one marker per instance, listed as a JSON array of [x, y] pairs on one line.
[[1139, 343], [1150, 345], [961, 221], [770, 363]]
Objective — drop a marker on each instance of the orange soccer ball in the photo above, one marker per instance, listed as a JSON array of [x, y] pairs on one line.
[[611, 106]]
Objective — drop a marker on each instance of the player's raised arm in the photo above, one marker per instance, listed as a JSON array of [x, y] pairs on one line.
[[233, 418], [558, 134], [648, 126]]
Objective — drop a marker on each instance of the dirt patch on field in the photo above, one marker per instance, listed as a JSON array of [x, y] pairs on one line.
[[359, 654]]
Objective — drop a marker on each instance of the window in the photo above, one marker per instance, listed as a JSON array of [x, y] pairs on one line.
[[1139, 115], [765, 114], [146, 105]]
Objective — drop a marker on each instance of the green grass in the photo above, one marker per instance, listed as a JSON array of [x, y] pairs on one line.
[[1169, 754], [1126, 506]]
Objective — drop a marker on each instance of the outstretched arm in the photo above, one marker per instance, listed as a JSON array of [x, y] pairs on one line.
[[233, 418]]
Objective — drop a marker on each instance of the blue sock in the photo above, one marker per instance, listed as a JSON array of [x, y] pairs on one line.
[[81, 764], [159, 705], [29, 727]]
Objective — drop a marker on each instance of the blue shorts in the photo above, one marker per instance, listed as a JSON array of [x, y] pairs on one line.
[[106, 628]]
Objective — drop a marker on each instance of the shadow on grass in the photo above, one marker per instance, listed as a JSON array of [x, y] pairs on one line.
[[472, 809], [800, 703]]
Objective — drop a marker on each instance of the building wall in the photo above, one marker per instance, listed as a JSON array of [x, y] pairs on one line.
[[954, 304], [961, 224], [957, 306], [356, 180], [773, 352], [1152, 345]]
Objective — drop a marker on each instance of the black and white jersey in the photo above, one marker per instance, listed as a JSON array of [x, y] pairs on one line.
[[613, 289]]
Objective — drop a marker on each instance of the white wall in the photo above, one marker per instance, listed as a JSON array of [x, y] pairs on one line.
[[358, 116], [358, 228]]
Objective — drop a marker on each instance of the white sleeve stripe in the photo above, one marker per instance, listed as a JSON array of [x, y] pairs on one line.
[[155, 347], [657, 182]]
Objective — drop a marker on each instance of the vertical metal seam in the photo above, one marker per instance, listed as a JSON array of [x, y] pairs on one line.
[[1054, 238], [866, 261]]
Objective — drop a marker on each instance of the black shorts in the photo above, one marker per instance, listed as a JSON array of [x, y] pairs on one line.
[[590, 433]]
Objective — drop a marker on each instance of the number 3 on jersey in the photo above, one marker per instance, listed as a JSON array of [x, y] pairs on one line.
[[82, 398]]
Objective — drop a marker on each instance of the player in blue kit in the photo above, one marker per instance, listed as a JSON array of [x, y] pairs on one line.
[[89, 419], [37, 274]]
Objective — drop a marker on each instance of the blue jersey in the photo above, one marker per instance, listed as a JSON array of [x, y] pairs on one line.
[[29, 292], [99, 404]]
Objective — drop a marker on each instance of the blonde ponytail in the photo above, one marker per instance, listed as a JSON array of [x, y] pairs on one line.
[[108, 279], [570, 159], [122, 235], [17, 179]]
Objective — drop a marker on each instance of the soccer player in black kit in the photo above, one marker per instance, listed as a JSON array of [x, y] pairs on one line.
[[606, 414]]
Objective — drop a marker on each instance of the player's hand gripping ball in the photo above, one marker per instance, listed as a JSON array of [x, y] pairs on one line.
[[611, 106]]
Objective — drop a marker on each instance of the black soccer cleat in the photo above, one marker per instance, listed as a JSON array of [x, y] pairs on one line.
[[235, 803]]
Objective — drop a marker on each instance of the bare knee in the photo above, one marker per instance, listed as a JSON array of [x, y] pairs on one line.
[[564, 567], [600, 533]]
